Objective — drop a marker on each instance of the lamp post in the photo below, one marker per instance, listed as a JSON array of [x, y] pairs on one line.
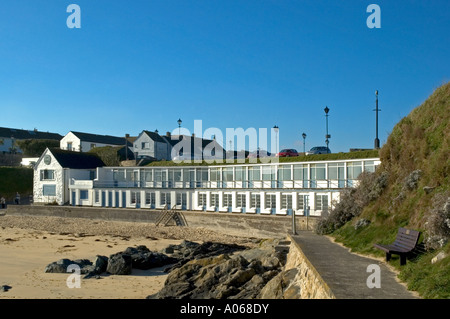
[[276, 129], [327, 136], [179, 126], [304, 143], [377, 141]]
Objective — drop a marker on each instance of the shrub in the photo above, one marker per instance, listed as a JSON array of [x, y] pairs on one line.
[[438, 222], [353, 200]]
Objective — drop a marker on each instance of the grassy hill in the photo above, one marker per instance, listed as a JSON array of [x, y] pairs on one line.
[[410, 189], [15, 179]]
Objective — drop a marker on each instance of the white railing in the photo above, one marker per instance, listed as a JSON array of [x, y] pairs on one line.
[[267, 184]]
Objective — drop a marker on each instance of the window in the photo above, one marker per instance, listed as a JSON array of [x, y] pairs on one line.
[[214, 200], [353, 170], [240, 174], [271, 201], [47, 175], [181, 199], [227, 174], [241, 200], [284, 173], [255, 200], [165, 199], [145, 145], [49, 190], [227, 200], [302, 201], [84, 194], [369, 166], [300, 172], [147, 175], [93, 145], [150, 198], [317, 171], [177, 175], [69, 146], [286, 201], [321, 202], [97, 196], [135, 197], [268, 173], [201, 199], [254, 173], [214, 173]]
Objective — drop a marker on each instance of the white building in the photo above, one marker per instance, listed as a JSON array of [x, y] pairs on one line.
[[84, 142], [56, 169], [274, 188]]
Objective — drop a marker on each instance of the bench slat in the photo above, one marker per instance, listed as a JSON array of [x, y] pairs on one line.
[[404, 243]]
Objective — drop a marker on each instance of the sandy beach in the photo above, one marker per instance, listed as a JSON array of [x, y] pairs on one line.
[[29, 243]]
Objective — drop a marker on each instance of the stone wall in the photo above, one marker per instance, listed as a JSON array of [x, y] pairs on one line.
[[260, 226]]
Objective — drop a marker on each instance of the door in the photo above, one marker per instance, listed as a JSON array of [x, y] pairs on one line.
[[117, 199], [74, 198]]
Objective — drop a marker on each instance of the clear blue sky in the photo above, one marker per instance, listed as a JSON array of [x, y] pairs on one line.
[[143, 64]]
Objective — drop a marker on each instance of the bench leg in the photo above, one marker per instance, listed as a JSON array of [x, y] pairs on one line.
[[402, 260], [388, 256]]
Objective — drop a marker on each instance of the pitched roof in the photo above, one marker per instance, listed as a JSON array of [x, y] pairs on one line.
[[155, 136], [77, 160], [175, 139], [19, 134], [104, 139]]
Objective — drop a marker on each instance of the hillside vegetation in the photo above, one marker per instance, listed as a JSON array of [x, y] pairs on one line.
[[15, 179], [409, 189]]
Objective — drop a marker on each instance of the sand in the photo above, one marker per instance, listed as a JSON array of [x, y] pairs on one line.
[[29, 243]]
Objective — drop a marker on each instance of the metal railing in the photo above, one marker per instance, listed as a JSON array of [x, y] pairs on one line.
[[272, 184]]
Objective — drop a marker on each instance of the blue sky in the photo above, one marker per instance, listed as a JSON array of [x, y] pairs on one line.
[[136, 65]]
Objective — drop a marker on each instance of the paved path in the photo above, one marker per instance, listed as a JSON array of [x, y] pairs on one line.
[[346, 273]]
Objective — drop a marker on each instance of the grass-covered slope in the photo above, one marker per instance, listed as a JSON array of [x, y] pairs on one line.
[[414, 193]]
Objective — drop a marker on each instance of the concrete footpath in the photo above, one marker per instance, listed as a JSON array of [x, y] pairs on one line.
[[346, 273]]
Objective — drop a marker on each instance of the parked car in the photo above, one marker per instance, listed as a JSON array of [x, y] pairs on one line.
[[318, 150], [258, 154], [287, 152]]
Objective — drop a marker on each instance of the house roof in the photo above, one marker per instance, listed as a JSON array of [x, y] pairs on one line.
[[155, 136], [175, 139], [104, 139], [77, 160], [20, 134]]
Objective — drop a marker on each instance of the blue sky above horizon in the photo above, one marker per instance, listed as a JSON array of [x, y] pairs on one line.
[[142, 65]]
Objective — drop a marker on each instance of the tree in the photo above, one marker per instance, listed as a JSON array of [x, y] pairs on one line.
[[34, 148]]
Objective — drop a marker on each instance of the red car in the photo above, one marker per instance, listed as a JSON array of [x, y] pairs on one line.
[[288, 152]]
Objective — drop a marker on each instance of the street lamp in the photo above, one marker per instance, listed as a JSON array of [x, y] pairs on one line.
[[179, 125], [377, 141], [276, 129], [304, 143], [327, 136]]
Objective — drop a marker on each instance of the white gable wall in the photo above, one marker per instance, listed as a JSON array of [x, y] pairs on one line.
[[70, 138], [57, 181]]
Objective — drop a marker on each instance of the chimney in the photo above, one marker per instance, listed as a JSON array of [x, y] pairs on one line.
[[168, 134], [193, 134]]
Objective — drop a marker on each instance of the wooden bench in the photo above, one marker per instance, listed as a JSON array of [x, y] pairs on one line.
[[404, 244]]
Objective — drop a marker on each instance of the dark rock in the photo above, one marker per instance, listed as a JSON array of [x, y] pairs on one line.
[[5, 288], [119, 264], [61, 265]]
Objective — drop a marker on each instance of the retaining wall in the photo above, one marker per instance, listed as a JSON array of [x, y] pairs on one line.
[[307, 283], [264, 226]]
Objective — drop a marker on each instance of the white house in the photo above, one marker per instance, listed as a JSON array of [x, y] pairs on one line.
[[84, 142], [169, 147], [283, 188], [56, 169]]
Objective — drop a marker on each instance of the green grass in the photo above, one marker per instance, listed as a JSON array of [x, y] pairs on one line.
[[419, 141], [15, 179], [303, 158]]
